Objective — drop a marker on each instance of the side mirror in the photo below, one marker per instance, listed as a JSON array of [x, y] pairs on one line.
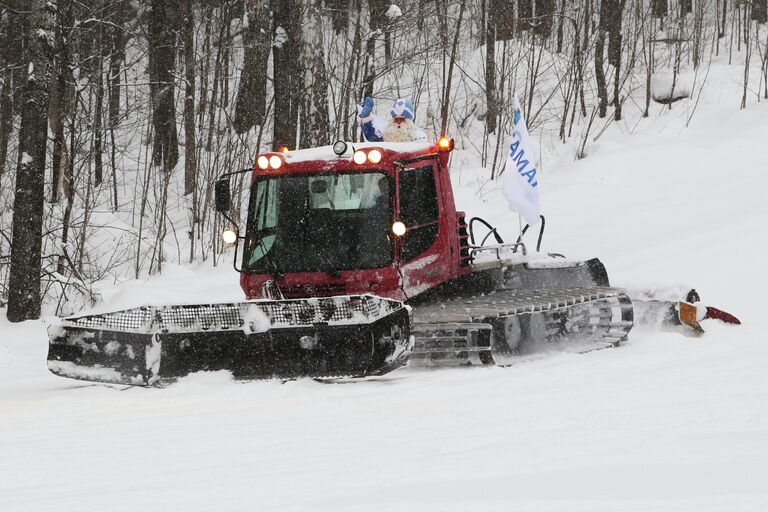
[[221, 191]]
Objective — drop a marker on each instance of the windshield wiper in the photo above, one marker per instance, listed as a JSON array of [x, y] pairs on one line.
[[276, 272], [330, 270]]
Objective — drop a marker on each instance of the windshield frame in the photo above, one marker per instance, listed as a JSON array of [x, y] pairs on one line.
[[269, 266]]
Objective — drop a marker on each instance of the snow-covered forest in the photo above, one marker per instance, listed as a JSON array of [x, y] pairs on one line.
[[650, 119], [147, 102]]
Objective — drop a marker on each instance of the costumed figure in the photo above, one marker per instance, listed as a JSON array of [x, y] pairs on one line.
[[400, 129]]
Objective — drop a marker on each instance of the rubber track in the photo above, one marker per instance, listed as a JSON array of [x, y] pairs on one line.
[[595, 317]]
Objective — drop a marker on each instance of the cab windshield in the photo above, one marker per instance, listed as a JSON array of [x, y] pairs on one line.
[[319, 222]]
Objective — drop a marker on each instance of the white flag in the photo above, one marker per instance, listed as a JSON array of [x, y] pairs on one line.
[[520, 184]]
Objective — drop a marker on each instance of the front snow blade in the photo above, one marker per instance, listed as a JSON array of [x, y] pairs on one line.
[[325, 337]]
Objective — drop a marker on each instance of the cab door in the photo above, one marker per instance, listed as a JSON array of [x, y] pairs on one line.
[[424, 257]]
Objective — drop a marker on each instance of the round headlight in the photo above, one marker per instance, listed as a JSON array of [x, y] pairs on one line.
[[229, 236], [398, 228], [262, 162], [374, 156], [340, 147], [275, 162], [359, 157]]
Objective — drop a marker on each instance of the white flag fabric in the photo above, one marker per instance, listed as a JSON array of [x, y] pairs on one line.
[[520, 182]]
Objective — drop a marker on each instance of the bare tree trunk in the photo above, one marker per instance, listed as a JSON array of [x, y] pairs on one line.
[[348, 83], [68, 177], [502, 17], [56, 113], [447, 95], [315, 122], [117, 55], [587, 26], [545, 10], [6, 117], [6, 107], [217, 72], [560, 20], [190, 153], [747, 56], [339, 14], [98, 114], [206, 67], [760, 11], [602, 89], [524, 15], [649, 55], [24, 282], [376, 21], [251, 103], [286, 73], [162, 42], [10, 53], [698, 32], [614, 18], [492, 107], [723, 20]]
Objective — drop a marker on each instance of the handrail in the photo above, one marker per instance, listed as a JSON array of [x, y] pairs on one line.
[[492, 231], [497, 249], [541, 233]]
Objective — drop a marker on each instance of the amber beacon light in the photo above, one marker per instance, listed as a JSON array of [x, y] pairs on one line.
[[445, 144]]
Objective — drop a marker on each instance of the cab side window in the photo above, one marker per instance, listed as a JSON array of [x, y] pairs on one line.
[[418, 210]]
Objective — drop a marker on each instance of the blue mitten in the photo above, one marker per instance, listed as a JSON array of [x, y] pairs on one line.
[[369, 123], [366, 109]]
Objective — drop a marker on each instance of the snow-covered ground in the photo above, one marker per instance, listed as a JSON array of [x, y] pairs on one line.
[[664, 423]]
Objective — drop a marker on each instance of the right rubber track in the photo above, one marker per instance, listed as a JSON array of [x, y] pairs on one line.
[[594, 317]]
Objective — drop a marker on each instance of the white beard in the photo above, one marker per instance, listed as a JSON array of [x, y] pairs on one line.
[[400, 132]]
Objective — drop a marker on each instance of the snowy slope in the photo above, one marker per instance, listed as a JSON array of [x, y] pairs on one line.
[[666, 422]]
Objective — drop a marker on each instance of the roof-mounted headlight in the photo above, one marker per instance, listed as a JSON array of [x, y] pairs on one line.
[[275, 162], [339, 147], [359, 157]]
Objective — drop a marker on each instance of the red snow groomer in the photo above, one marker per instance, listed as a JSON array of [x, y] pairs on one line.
[[338, 240]]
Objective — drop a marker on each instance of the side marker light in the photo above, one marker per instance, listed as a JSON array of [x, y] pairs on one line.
[[398, 228], [229, 237]]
